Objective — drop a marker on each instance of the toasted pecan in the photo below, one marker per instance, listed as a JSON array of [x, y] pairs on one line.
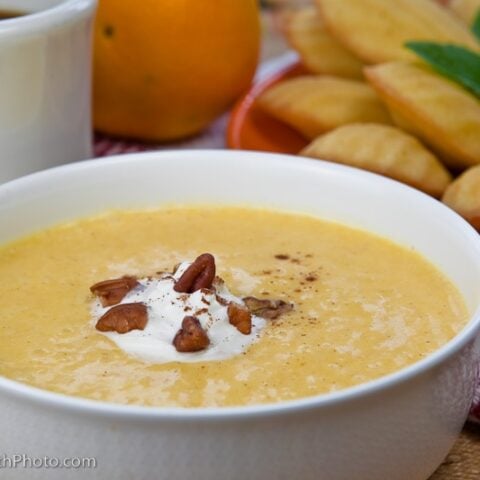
[[123, 318], [240, 318], [266, 308], [111, 292], [191, 337], [200, 274], [221, 300]]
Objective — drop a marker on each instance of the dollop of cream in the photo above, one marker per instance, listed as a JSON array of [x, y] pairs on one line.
[[166, 311]]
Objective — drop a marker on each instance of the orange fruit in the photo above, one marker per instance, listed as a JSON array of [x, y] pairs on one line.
[[165, 69]]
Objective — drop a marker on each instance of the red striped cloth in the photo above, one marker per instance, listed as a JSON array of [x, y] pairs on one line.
[[212, 137], [105, 146]]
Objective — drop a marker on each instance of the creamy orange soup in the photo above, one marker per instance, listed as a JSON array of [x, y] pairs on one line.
[[364, 306]]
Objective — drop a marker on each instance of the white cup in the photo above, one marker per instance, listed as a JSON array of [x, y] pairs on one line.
[[45, 84]]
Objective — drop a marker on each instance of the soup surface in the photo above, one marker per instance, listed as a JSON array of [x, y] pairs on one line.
[[364, 306]]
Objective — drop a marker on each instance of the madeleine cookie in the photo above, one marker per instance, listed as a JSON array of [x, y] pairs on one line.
[[318, 50], [440, 112], [463, 196], [316, 104], [467, 10], [376, 30], [385, 150]]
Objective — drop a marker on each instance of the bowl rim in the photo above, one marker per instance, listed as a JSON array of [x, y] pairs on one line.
[[80, 405]]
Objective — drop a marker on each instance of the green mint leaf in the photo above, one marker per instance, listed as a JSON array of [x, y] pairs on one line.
[[457, 63], [476, 26]]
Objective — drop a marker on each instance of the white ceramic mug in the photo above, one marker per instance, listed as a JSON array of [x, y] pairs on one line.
[[45, 84]]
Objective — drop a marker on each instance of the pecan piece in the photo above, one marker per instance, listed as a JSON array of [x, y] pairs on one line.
[[191, 337], [111, 292], [123, 318], [221, 300], [200, 274], [265, 308], [240, 318]]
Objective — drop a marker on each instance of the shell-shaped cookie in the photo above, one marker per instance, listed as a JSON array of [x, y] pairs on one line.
[[465, 9], [440, 112], [463, 196], [376, 30], [385, 150], [318, 50], [316, 104]]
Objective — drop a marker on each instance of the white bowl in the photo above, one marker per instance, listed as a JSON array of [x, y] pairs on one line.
[[397, 427]]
